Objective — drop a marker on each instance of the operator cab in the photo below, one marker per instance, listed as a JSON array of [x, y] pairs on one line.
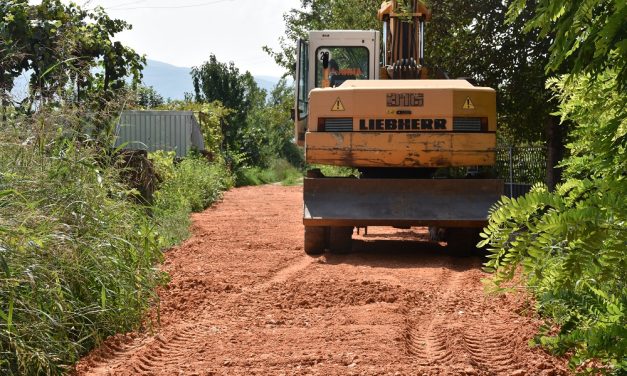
[[329, 58]]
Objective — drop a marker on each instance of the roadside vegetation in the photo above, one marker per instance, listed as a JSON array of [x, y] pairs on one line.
[[571, 242], [79, 246], [78, 256], [83, 227], [190, 185]]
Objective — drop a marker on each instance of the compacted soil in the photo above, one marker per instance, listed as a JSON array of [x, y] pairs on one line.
[[245, 299]]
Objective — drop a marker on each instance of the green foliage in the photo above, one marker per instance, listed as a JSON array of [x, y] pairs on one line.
[[163, 164], [63, 44], [464, 38], [148, 98], [473, 39], [588, 35], [242, 133], [279, 170], [191, 185], [599, 139], [77, 256], [271, 130], [571, 243], [254, 130]]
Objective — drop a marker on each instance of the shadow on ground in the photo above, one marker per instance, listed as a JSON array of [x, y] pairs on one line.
[[406, 249]]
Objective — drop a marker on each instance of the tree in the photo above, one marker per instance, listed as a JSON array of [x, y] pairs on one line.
[[281, 126], [69, 50], [473, 39], [217, 81], [466, 39], [570, 242], [147, 97], [272, 131], [588, 36]]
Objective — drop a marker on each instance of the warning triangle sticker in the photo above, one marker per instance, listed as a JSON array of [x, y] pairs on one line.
[[338, 105], [468, 104]]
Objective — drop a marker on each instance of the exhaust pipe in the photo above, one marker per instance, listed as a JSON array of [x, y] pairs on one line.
[[421, 41]]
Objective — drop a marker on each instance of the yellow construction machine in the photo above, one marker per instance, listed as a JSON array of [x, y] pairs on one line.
[[373, 109]]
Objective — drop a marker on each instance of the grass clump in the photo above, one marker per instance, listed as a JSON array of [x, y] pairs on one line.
[[191, 185], [77, 257], [79, 249], [279, 170]]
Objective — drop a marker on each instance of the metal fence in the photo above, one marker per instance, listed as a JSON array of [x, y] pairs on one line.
[[520, 167]]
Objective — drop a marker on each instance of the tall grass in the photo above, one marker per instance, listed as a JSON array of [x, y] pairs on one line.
[[279, 170], [191, 185], [79, 257]]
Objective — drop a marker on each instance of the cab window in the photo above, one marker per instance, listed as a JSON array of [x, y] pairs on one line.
[[343, 63]]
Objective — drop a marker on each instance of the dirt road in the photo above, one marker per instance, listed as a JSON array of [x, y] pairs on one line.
[[245, 299]]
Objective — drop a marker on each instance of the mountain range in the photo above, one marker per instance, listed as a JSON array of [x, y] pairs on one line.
[[173, 82], [168, 80]]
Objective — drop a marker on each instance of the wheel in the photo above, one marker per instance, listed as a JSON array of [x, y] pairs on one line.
[[462, 241], [315, 240], [436, 234], [340, 239]]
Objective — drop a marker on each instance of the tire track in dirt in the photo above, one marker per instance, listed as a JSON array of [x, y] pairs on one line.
[[461, 337], [490, 348], [167, 353], [244, 299], [155, 355], [427, 338]]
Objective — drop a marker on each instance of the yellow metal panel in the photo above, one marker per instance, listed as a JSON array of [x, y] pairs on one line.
[[366, 99], [381, 149], [483, 106]]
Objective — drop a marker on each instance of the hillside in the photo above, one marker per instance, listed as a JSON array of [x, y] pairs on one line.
[[173, 82], [169, 80]]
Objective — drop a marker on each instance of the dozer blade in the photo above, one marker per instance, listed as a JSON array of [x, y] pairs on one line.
[[399, 202]]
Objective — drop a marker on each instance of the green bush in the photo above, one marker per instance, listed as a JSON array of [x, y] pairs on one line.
[[279, 170], [77, 256], [572, 242], [190, 186]]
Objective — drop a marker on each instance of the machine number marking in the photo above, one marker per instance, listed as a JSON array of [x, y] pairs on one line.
[[405, 100], [338, 105], [468, 104]]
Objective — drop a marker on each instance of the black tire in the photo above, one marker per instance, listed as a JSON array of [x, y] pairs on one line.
[[315, 240], [340, 239], [436, 234], [463, 241]]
